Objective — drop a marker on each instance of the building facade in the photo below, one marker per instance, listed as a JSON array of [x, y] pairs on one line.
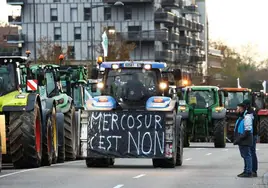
[[163, 30]]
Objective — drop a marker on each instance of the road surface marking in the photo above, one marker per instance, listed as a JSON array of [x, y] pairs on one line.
[[118, 186], [199, 148], [139, 176], [27, 170], [208, 153], [225, 150], [188, 159], [257, 149]]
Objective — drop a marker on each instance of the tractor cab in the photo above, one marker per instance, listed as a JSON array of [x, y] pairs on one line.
[[131, 84]]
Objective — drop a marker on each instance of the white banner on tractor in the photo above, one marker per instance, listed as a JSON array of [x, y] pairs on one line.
[[32, 85]]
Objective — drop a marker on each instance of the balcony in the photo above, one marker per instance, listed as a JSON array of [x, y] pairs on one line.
[[172, 3], [188, 24], [185, 41], [127, 1], [175, 38], [15, 39], [15, 2], [200, 27], [164, 17], [200, 43], [181, 22], [194, 26], [14, 20], [157, 35], [195, 58], [164, 56], [181, 57], [190, 9]]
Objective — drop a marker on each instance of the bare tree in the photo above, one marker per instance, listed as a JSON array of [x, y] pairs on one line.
[[49, 52], [118, 49]]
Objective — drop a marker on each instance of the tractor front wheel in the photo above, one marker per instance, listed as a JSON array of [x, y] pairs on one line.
[[25, 133], [219, 133]]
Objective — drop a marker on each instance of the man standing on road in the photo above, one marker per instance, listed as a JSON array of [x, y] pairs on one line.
[[255, 137], [244, 138]]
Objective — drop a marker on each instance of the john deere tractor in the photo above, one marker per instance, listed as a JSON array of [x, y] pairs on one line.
[[49, 76], [203, 115], [23, 119]]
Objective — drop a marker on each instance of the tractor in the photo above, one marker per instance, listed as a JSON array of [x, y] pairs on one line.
[[27, 123], [133, 118], [203, 115], [234, 96], [260, 102], [49, 77]]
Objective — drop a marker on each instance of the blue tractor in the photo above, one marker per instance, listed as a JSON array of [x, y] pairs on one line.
[[135, 116]]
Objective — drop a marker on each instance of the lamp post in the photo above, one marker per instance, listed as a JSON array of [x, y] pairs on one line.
[[117, 3], [34, 32]]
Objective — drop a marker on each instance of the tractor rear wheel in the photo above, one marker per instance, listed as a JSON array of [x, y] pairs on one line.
[[186, 141], [219, 133], [54, 136], [263, 130], [180, 142], [70, 136], [25, 134]]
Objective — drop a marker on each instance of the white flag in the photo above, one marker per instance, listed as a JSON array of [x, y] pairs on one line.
[[238, 83], [105, 44], [264, 86]]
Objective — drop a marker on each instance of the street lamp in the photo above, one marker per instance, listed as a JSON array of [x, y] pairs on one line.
[[117, 3]]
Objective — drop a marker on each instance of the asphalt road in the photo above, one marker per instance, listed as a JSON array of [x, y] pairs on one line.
[[203, 167]]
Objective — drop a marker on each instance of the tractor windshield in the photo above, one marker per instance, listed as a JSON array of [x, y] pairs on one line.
[[7, 79], [133, 84], [234, 98], [201, 98]]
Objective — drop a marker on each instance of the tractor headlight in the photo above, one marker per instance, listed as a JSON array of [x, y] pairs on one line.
[[100, 85], [60, 101], [218, 109], [163, 85]]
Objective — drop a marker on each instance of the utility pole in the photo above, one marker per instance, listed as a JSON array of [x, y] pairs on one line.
[[91, 32], [34, 32]]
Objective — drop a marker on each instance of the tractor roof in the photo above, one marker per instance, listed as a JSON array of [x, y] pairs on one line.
[[12, 59], [201, 87], [235, 89], [133, 64]]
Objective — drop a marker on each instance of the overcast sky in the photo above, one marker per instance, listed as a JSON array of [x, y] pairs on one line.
[[238, 22]]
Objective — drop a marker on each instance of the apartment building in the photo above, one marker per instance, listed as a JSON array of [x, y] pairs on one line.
[[163, 30]]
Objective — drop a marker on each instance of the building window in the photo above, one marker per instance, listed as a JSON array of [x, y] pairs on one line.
[[57, 33], [71, 52], [77, 33], [74, 15], [89, 30], [87, 14], [127, 13], [54, 14], [107, 13], [56, 1]]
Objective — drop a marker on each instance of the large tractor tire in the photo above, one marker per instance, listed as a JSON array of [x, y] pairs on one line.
[[170, 162], [263, 130], [47, 138], [180, 127], [186, 140], [0, 154], [61, 140], [98, 162], [220, 132], [25, 134], [55, 138], [70, 129]]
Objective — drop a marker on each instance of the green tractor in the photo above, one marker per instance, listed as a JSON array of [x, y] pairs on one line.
[[49, 76], [25, 119], [203, 115]]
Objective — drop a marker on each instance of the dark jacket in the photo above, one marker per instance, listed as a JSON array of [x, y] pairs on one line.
[[244, 129]]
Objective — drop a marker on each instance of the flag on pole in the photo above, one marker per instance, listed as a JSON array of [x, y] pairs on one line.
[[105, 44], [264, 86], [238, 83]]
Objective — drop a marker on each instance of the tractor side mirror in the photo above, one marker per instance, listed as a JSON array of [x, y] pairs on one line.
[[177, 74], [57, 76], [94, 73], [40, 77], [225, 93], [94, 87]]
